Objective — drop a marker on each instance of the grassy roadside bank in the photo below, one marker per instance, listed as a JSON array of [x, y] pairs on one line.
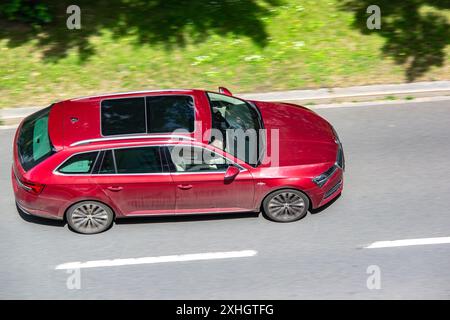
[[248, 46]]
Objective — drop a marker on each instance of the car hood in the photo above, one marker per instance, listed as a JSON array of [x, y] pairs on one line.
[[304, 137]]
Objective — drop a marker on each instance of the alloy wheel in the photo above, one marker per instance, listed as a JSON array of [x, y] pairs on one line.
[[89, 217], [286, 206]]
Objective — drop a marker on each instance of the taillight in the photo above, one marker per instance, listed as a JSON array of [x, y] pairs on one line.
[[31, 187]]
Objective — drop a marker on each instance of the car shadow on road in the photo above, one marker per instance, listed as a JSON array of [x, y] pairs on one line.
[[39, 220], [187, 218]]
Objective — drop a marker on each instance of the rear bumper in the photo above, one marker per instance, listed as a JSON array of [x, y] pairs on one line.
[[37, 213], [32, 204]]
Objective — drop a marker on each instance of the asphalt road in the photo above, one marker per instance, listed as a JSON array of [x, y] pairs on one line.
[[397, 187]]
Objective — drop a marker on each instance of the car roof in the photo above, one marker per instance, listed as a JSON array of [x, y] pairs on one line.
[[76, 120]]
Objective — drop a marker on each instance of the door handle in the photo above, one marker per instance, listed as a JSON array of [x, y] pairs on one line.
[[185, 186], [115, 189]]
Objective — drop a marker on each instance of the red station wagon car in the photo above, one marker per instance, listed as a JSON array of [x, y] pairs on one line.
[[95, 159]]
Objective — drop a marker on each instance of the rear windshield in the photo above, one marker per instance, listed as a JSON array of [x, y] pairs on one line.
[[33, 143]]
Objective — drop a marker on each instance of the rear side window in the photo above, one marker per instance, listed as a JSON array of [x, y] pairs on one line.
[[79, 164], [107, 165], [169, 113], [33, 142], [123, 116], [138, 160]]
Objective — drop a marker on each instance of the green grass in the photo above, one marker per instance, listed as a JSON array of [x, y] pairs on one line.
[[286, 44]]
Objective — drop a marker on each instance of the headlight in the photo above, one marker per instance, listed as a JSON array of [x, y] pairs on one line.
[[321, 179]]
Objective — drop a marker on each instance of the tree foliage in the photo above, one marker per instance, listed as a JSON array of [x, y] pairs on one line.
[[28, 11]]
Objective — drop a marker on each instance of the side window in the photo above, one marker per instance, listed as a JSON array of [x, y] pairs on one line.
[[79, 164], [195, 159], [123, 116], [138, 160], [169, 113], [107, 166]]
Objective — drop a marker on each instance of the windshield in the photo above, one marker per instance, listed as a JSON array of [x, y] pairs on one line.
[[236, 127], [33, 143]]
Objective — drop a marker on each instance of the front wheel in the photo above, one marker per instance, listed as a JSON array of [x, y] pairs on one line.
[[89, 217], [286, 205]]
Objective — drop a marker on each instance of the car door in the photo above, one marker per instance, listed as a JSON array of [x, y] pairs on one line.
[[198, 174], [134, 180]]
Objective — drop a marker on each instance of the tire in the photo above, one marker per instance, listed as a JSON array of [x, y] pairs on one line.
[[89, 217], [286, 205]]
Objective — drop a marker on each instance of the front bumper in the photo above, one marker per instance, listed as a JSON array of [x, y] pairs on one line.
[[331, 189], [334, 186]]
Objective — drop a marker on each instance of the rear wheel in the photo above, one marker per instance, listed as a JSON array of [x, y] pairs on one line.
[[89, 217], [286, 205]]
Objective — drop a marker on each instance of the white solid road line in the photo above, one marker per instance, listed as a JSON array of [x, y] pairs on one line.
[[161, 259], [408, 242], [377, 103]]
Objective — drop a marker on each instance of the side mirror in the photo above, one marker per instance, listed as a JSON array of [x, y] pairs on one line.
[[231, 173], [225, 91]]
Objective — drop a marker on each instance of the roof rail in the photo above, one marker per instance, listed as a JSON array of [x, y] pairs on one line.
[[129, 92], [171, 136]]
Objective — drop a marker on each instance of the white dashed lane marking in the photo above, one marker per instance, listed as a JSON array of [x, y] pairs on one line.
[[408, 242], [160, 259]]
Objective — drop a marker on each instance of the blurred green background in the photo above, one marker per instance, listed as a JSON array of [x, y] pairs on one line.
[[247, 46]]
